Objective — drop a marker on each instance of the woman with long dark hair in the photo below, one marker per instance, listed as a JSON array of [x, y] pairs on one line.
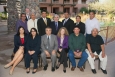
[[33, 50], [19, 47]]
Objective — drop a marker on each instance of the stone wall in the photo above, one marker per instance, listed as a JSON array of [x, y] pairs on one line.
[[12, 14], [15, 7]]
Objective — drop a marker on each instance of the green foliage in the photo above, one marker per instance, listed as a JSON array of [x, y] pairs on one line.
[[84, 9], [3, 15]]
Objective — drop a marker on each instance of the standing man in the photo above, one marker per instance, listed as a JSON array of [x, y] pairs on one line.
[[95, 46], [68, 23], [27, 14], [77, 46], [32, 23], [56, 24], [43, 22], [49, 45], [91, 23], [22, 22], [80, 24]]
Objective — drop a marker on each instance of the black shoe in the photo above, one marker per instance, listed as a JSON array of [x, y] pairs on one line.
[[45, 67], [28, 71], [104, 71], [94, 71], [64, 70], [53, 69], [57, 67], [33, 72]]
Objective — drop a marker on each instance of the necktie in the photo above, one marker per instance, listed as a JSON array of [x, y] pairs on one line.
[[56, 25], [45, 21], [48, 40], [64, 22]]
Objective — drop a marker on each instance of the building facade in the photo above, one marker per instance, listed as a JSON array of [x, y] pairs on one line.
[[56, 6]]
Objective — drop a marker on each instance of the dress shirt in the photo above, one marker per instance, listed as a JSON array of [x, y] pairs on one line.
[[32, 24], [91, 24], [23, 24], [65, 21]]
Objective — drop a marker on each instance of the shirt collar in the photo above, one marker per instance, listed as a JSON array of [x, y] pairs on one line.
[[66, 19]]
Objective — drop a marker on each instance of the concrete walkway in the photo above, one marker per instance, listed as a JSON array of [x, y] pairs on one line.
[[21, 72]]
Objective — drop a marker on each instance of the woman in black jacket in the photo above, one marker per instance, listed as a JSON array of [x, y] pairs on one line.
[[20, 40], [33, 50]]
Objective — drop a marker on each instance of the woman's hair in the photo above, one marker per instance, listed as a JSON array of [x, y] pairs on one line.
[[34, 30], [59, 32], [18, 32]]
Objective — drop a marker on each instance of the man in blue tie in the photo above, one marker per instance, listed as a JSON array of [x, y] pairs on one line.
[[56, 24]]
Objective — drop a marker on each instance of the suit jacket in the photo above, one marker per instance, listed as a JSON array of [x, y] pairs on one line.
[[69, 25], [65, 42], [34, 44], [52, 25], [53, 43], [17, 42], [41, 25], [81, 25]]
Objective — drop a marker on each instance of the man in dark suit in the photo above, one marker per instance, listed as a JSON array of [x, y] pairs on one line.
[[27, 14], [68, 23], [80, 24], [43, 22], [56, 25]]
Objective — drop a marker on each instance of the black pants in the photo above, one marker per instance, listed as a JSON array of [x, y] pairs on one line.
[[63, 57], [28, 58]]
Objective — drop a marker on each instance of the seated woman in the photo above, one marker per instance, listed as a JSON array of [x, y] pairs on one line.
[[33, 50], [62, 47], [19, 47]]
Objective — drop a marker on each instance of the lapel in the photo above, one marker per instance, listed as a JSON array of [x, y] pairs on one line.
[[54, 25], [64, 40], [44, 22], [66, 22]]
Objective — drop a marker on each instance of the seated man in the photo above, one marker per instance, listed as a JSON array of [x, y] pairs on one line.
[[77, 46], [95, 46], [49, 47]]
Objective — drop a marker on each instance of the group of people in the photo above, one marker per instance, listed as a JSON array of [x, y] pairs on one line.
[[47, 38]]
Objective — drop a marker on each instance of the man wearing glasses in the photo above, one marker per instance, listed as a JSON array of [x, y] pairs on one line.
[[22, 22]]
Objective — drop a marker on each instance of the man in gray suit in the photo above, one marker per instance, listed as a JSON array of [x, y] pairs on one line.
[[49, 47]]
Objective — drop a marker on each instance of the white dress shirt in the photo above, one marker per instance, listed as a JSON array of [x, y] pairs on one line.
[[91, 24], [32, 24]]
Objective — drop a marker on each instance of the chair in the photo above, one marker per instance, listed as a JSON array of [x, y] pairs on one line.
[[78, 58], [48, 57]]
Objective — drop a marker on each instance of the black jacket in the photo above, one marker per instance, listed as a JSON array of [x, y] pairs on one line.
[[52, 25], [41, 25], [34, 44], [69, 25], [17, 42], [81, 25]]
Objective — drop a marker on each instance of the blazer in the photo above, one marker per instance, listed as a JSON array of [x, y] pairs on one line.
[[81, 25], [17, 42], [69, 25], [34, 44], [65, 42], [53, 43], [52, 25], [41, 25]]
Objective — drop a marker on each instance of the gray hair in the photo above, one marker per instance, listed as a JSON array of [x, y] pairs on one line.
[[55, 15], [33, 13], [94, 29]]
